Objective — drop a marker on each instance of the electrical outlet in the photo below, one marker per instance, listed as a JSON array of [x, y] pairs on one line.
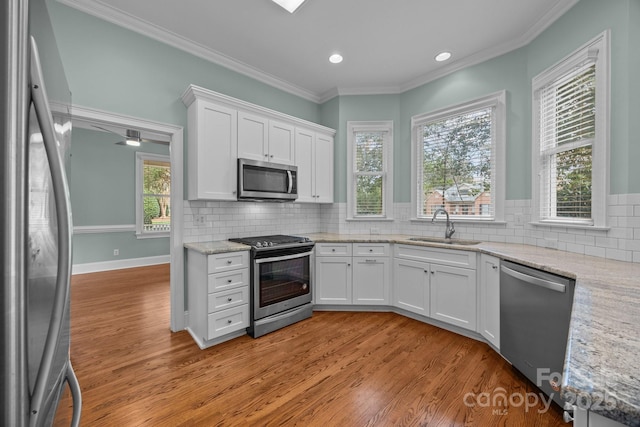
[[199, 220], [116, 252], [519, 218]]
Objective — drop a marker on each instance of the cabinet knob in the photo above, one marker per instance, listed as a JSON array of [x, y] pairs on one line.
[[370, 250], [229, 299], [229, 261], [229, 280], [333, 250], [426, 271], [495, 267], [271, 156], [266, 155], [229, 321], [348, 265], [433, 272]]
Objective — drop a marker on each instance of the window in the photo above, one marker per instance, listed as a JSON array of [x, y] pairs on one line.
[[570, 138], [153, 195], [370, 159], [458, 155]]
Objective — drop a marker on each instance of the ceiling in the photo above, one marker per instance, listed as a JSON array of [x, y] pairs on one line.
[[388, 46]]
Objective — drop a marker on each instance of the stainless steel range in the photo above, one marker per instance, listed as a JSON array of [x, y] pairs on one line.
[[281, 272]]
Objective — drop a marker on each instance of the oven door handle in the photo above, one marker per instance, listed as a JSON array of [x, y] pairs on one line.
[[283, 258]]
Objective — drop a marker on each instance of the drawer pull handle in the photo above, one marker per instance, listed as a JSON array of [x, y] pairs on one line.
[[370, 250], [229, 321], [229, 261], [333, 250], [229, 281], [229, 299]]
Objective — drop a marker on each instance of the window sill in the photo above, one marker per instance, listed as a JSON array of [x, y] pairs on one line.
[[152, 235], [555, 224], [461, 221], [361, 219]]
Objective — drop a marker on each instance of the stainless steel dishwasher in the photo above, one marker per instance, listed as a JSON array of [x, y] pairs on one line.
[[535, 309]]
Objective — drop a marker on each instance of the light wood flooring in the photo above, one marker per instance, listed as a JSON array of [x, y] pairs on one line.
[[335, 369]]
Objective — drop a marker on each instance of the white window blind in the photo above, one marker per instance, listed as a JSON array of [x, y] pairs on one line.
[[369, 173], [567, 128], [456, 164]]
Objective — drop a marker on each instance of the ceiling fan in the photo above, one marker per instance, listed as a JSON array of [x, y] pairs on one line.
[[132, 137]]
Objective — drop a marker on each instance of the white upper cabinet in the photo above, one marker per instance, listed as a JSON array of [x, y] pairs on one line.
[[253, 132], [222, 129], [314, 158], [265, 140], [281, 143], [212, 151]]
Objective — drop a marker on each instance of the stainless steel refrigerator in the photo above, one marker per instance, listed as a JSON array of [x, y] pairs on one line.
[[35, 125]]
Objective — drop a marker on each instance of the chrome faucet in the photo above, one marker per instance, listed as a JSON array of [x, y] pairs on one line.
[[450, 229]]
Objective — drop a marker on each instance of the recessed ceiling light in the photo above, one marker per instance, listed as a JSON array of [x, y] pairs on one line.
[[443, 56], [289, 5], [336, 58]]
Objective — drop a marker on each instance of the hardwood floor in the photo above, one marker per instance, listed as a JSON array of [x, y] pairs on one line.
[[335, 369]]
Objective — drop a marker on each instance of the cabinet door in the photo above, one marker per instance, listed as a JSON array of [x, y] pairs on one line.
[[453, 295], [490, 299], [212, 152], [324, 169], [281, 143], [305, 156], [333, 280], [371, 281], [252, 137], [411, 286]]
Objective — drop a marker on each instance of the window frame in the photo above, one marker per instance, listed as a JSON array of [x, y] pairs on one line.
[[140, 158], [385, 126], [496, 100], [597, 50]]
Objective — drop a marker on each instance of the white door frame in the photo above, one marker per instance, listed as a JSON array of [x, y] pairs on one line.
[[84, 117]]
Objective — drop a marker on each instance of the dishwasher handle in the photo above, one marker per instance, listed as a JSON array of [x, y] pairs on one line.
[[547, 284]]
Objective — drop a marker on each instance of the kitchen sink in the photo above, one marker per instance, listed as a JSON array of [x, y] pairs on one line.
[[445, 241]]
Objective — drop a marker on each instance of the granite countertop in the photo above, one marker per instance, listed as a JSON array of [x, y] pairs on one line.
[[220, 246], [601, 371]]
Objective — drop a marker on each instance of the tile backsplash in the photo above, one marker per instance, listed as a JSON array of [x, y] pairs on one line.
[[223, 220]]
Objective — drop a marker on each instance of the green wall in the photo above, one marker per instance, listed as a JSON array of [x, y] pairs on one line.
[[102, 187], [114, 69]]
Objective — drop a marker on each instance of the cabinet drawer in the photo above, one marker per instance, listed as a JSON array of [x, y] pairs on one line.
[[455, 258], [370, 249], [227, 299], [228, 261], [333, 249], [231, 279], [227, 321]]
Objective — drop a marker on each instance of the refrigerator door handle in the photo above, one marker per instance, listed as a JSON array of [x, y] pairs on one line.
[[76, 395], [63, 213]]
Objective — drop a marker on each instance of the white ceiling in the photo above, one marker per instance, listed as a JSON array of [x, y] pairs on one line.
[[388, 45]]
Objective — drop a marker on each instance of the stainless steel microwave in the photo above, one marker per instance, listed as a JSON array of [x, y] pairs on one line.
[[265, 181]]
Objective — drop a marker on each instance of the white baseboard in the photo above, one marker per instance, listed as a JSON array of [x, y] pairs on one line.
[[93, 267]]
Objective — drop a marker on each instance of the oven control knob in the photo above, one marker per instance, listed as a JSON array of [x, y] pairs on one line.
[[258, 245], [270, 243], [304, 286]]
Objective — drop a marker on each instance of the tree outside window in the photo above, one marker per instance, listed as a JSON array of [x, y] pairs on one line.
[[154, 193]]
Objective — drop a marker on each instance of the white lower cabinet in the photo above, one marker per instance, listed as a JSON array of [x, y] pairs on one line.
[[587, 418], [489, 286], [333, 280], [352, 274], [411, 285], [453, 295], [217, 296], [438, 283]]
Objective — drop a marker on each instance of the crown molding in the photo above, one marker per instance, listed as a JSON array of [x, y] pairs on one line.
[[128, 21]]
